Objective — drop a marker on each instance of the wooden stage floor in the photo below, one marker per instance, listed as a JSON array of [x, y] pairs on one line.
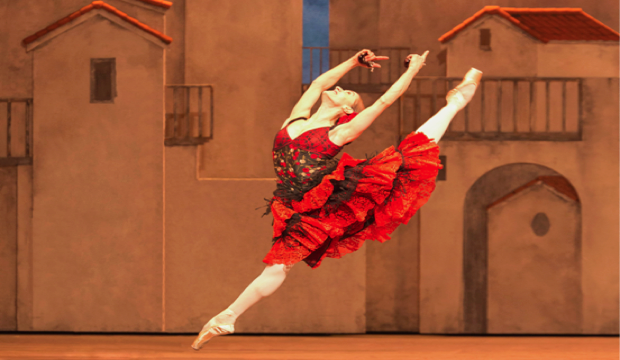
[[328, 347]]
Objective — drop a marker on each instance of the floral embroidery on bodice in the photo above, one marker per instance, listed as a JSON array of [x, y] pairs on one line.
[[301, 163]]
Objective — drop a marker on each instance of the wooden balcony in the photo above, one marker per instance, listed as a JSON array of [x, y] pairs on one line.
[[514, 109], [317, 60], [189, 115]]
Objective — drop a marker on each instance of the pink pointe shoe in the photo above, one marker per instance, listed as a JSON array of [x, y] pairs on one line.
[[473, 76], [213, 329]]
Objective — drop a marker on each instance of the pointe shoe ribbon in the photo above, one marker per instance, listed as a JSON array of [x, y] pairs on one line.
[[207, 333], [473, 76]]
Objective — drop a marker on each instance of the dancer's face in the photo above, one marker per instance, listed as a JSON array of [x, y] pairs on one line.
[[339, 97]]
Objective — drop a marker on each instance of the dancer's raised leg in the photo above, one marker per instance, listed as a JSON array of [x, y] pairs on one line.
[[436, 126], [264, 285]]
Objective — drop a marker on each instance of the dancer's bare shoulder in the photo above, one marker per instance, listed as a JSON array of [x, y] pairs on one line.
[[287, 121]]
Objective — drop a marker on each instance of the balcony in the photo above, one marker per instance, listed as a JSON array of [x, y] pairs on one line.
[[318, 60], [15, 131], [189, 115], [504, 108], [532, 109]]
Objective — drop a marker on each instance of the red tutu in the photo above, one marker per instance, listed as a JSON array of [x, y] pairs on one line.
[[386, 191]]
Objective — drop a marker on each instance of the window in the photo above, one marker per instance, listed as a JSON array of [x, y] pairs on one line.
[[102, 80], [315, 36], [485, 39], [442, 174]]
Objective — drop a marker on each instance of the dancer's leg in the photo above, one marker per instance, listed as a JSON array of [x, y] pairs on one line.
[[435, 127], [264, 285]]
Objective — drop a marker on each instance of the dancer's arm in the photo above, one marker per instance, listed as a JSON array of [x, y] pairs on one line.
[[350, 131], [327, 80]]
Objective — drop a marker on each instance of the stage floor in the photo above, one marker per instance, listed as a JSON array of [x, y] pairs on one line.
[[327, 347]]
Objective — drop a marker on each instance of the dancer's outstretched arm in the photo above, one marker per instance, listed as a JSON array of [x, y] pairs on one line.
[[329, 79], [348, 132]]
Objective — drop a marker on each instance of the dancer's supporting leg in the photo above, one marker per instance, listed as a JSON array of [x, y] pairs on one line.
[[264, 285], [435, 127]]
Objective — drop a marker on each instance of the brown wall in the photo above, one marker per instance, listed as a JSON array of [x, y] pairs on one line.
[[516, 53], [250, 51], [587, 164], [28, 17], [215, 241], [110, 183], [8, 248], [418, 24], [534, 271], [513, 53], [98, 201]]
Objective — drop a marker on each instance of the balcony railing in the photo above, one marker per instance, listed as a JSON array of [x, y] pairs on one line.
[[317, 60], [189, 114], [15, 131], [546, 109]]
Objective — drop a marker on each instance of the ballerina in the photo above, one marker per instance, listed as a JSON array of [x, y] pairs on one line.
[[327, 207]]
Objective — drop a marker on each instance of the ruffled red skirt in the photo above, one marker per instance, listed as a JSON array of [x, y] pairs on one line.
[[388, 190]]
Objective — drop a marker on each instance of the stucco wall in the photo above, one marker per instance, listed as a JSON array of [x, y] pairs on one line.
[[215, 243], [251, 52], [215, 239], [98, 202], [28, 17], [534, 277], [513, 53], [418, 24], [589, 166], [8, 247], [578, 59]]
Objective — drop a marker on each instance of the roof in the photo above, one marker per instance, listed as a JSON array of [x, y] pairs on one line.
[[558, 183], [545, 24], [93, 6], [160, 3]]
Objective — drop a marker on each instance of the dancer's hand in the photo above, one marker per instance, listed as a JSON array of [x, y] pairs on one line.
[[370, 58], [416, 61]]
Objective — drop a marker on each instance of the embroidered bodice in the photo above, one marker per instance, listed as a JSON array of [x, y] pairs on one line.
[[301, 163]]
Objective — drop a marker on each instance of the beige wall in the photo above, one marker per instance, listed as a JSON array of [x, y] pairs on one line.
[[354, 23], [215, 243], [175, 53], [393, 281], [251, 52], [578, 59], [513, 53], [534, 280], [28, 17], [98, 201], [589, 166], [209, 256], [418, 24], [8, 247]]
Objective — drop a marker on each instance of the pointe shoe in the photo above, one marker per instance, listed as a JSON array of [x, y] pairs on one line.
[[473, 76], [211, 330]]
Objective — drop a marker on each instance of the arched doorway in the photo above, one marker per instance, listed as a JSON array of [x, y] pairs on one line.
[[497, 186]]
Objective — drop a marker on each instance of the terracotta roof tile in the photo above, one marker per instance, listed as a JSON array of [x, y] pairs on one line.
[[99, 5], [559, 183], [160, 3], [545, 24]]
